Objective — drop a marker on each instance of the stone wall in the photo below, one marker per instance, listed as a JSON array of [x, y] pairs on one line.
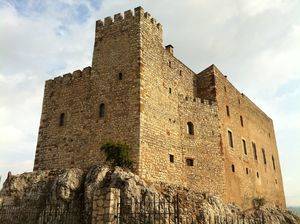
[[251, 177], [168, 103]]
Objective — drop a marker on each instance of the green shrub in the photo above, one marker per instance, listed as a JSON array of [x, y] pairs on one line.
[[117, 154], [259, 202]]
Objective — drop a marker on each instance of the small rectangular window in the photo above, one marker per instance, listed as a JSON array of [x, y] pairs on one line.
[[62, 119], [230, 139], [254, 150], [242, 121], [244, 147], [171, 158], [120, 76], [227, 111], [189, 162]]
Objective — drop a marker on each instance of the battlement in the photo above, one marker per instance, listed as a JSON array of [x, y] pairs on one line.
[[69, 77], [137, 15], [197, 100]]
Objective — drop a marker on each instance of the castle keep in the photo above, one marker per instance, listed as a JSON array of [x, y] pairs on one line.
[[187, 128]]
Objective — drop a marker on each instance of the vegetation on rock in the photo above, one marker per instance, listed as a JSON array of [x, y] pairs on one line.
[[117, 154]]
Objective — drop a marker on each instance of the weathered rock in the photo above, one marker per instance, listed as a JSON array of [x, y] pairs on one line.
[[75, 191], [66, 184]]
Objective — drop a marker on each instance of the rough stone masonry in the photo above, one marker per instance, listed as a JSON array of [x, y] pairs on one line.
[[186, 128]]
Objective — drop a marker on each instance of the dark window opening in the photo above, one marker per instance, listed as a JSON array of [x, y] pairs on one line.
[[190, 162], [239, 101], [190, 127], [180, 72], [227, 111], [232, 168], [257, 174], [170, 90], [230, 139], [242, 121], [244, 147], [247, 171], [276, 182], [225, 89], [102, 110], [170, 64], [264, 156], [171, 158], [273, 161], [254, 150], [62, 119], [120, 76]]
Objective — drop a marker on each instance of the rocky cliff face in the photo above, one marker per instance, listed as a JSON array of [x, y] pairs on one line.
[[72, 196]]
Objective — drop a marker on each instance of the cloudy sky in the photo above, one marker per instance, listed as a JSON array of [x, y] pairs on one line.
[[256, 43]]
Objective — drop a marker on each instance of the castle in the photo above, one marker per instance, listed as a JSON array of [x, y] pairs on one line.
[[187, 128]]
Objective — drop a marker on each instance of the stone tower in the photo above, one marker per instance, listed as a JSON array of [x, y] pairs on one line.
[[186, 128]]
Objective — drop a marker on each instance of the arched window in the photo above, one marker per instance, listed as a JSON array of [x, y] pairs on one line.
[[232, 168], [190, 128], [62, 119], [102, 110]]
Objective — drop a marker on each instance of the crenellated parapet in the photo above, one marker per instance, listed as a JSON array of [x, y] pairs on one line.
[[70, 77], [198, 103], [197, 100], [126, 18]]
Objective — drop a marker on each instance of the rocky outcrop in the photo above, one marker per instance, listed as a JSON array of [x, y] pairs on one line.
[[73, 192]]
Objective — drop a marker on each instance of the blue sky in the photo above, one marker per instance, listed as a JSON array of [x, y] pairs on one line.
[[256, 43]]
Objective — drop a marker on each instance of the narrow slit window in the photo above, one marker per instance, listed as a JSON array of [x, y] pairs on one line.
[[62, 119], [230, 139], [170, 64], [190, 128], [171, 158], [228, 111], [170, 90], [273, 162], [244, 146], [102, 110], [232, 168], [189, 162], [247, 171], [264, 155], [257, 174], [242, 121], [254, 150]]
